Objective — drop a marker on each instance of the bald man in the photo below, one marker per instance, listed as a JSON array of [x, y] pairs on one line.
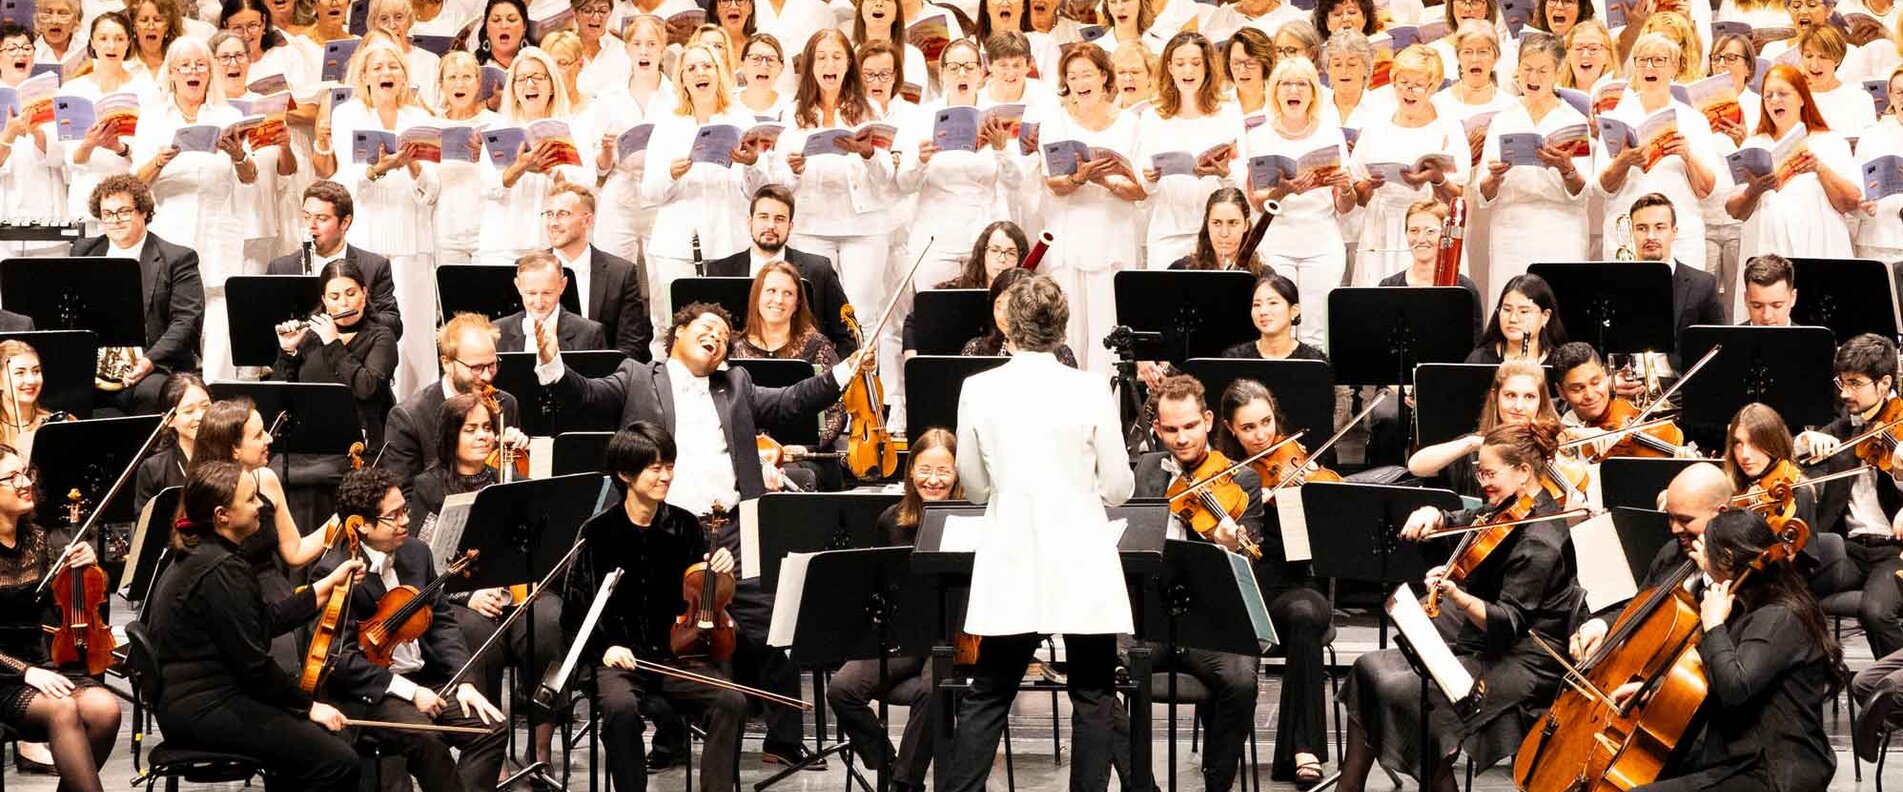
[[1695, 496]]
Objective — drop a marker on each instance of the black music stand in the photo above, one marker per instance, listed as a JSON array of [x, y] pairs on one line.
[[1619, 306], [1788, 368], [1637, 481], [809, 522], [1849, 296], [1641, 533], [151, 547], [944, 320], [86, 456], [932, 386], [542, 414], [1200, 313], [68, 360], [489, 290], [1378, 334], [78, 293], [579, 452], [1304, 389], [729, 292], [523, 526], [782, 373], [1448, 398], [258, 304], [1365, 544]]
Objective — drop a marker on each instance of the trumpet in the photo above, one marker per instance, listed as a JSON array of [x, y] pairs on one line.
[[115, 366], [298, 325], [1622, 229]]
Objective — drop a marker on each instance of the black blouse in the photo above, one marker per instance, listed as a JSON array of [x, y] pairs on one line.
[[164, 468], [1247, 350], [365, 365], [983, 346], [21, 613], [211, 632], [648, 598]]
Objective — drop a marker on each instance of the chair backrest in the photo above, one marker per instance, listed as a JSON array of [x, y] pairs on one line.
[[145, 673]]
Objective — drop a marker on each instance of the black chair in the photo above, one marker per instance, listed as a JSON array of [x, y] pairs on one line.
[[170, 761]]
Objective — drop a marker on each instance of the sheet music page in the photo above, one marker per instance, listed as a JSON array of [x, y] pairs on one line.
[[1603, 571], [138, 541], [961, 533], [786, 599], [1114, 530], [1452, 677], [541, 457], [588, 626], [445, 535], [750, 539], [1244, 572], [1294, 517]]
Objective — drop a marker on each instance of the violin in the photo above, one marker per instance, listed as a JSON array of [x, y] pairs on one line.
[[1663, 440], [1291, 462], [509, 463], [1218, 498], [704, 629], [84, 634], [1774, 496], [324, 632], [404, 614], [869, 446], [1482, 537], [1876, 446]]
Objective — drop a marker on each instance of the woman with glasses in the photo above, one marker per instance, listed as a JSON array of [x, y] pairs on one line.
[[513, 194], [885, 79], [1304, 242], [1734, 55], [884, 21], [1475, 92], [196, 193], [266, 46], [187, 398], [565, 47], [1589, 56], [1801, 16], [645, 97], [458, 215], [698, 200], [1683, 168], [998, 250], [1797, 210], [57, 23], [1457, 13], [793, 22], [1419, 153], [102, 152], [345, 349], [1188, 121], [1134, 68], [958, 191], [604, 60], [1535, 211], [1247, 58], [761, 62], [268, 225], [1525, 324], [33, 183], [395, 193], [394, 18]]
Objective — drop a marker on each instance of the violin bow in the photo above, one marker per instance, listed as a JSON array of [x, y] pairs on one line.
[[1852, 442], [1197, 486], [99, 508], [871, 339], [1467, 529], [1683, 378], [561, 566], [1755, 492], [1379, 397]]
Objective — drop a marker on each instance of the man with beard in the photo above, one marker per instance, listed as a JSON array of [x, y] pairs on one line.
[[610, 292], [770, 223], [1695, 496]]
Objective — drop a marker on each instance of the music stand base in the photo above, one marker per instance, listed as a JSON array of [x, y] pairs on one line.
[[818, 757]]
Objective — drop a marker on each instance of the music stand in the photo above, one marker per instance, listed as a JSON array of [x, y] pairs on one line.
[[944, 320], [1199, 312], [1378, 334], [541, 413], [807, 522], [489, 290], [151, 547], [78, 293], [932, 387], [729, 292], [87, 456], [1849, 296], [1448, 398], [1637, 481], [1304, 389], [1641, 533], [579, 452], [1621, 306], [258, 304], [521, 527], [68, 360], [1788, 368], [783, 373], [1365, 543]]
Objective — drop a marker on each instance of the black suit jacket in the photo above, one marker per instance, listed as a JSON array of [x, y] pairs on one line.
[[1833, 498], [1694, 300], [643, 392], [828, 295], [444, 650], [410, 434], [11, 322], [376, 273], [617, 304], [1154, 482], [174, 299], [571, 332]]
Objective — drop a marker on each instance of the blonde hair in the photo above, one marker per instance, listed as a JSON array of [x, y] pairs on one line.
[[1828, 41], [1420, 59], [13, 426], [558, 106], [645, 20], [1300, 68], [1685, 39], [1656, 44], [380, 7], [563, 41], [180, 49], [358, 74], [723, 81], [1584, 26]]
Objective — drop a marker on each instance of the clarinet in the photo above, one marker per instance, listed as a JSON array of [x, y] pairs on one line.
[[700, 267], [307, 255]]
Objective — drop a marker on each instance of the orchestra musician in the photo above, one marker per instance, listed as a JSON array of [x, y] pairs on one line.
[[211, 631], [1586, 387], [337, 344], [1000, 248], [1182, 422], [466, 347], [1864, 510], [233, 431], [1044, 564], [1758, 446], [1426, 221], [1694, 291], [780, 326], [931, 476], [539, 282], [652, 542], [405, 691], [174, 297], [465, 438], [1276, 310], [770, 224], [72, 713], [188, 398], [1525, 323], [328, 212], [1697, 494], [1518, 395], [1488, 619], [21, 384], [1770, 291], [1770, 662], [1252, 418], [992, 343]]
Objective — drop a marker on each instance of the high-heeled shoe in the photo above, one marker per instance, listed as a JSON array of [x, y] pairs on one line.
[[31, 767]]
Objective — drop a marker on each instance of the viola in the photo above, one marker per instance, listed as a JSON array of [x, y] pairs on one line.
[[1291, 462], [704, 629], [1482, 538], [1664, 440], [84, 634], [869, 446], [509, 464], [1217, 497], [324, 643], [404, 614]]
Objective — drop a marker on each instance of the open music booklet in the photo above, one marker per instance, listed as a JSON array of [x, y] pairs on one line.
[[1453, 679]]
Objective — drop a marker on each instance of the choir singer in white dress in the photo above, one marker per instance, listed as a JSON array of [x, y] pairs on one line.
[[1047, 554]]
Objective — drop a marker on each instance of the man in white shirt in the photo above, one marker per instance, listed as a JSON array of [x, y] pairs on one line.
[[1770, 291], [539, 282], [609, 289]]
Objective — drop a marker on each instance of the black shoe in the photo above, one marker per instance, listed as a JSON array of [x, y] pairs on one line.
[[790, 755], [662, 761], [1866, 736], [30, 767]]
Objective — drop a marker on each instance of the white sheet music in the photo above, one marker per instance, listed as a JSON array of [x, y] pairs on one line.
[[1452, 677], [1603, 571], [749, 514], [1294, 517], [588, 623], [961, 533], [444, 534], [786, 600], [541, 457]]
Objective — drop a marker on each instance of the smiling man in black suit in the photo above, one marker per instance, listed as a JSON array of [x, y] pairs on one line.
[[169, 283]]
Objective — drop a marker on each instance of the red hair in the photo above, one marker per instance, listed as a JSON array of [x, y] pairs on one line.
[[1812, 118]]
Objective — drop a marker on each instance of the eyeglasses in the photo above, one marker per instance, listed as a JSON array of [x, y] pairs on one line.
[[881, 75], [478, 368], [17, 49], [1474, 52], [1589, 49], [1001, 252], [1238, 64], [118, 215], [1730, 58], [1484, 475], [769, 60], [1411, 87], [563, 215], [1653, 61], [20, 481], [184, 67], [959, 68], [247, 29], [1853, 384], [527, 79], [57, 14], [735, 3], [395, 516], [1562, 3], [1288, 52], [234, 57], [593, 10]]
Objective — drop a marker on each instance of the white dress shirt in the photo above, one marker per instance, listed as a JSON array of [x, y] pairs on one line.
[[703, 472], [581, 266], [135, 252], [407, 658], [528, 328]]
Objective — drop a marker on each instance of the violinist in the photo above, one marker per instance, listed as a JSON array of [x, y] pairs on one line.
[[1525, 323], [1275, 310], [339, 344], [1586, 387], [653, 542], [1770, 291], [1865, 510], [188, 398], [1759, 451], [1527, 583], [1770, 662], [21, 413], [465, 439], [931, 477], [1697, 494], [1518, 395], [405, 691], [211, 629], [72, 713], [992, 343], [1182, 422], [1299, 612], [466, 348], [234, 431]]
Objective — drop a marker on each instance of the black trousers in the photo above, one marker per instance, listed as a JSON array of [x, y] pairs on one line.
[[757, 665], [426, 754], [1881, 609], [1099, 732], [908, 684], [1301, 617], [723, 712], [298, 755], [1231, 680], [514, 651]]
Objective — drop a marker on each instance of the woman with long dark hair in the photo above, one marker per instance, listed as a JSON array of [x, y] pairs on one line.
[[187, 398], [1276, 310], [1226, 220], [465, 436], [1525, 323]]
